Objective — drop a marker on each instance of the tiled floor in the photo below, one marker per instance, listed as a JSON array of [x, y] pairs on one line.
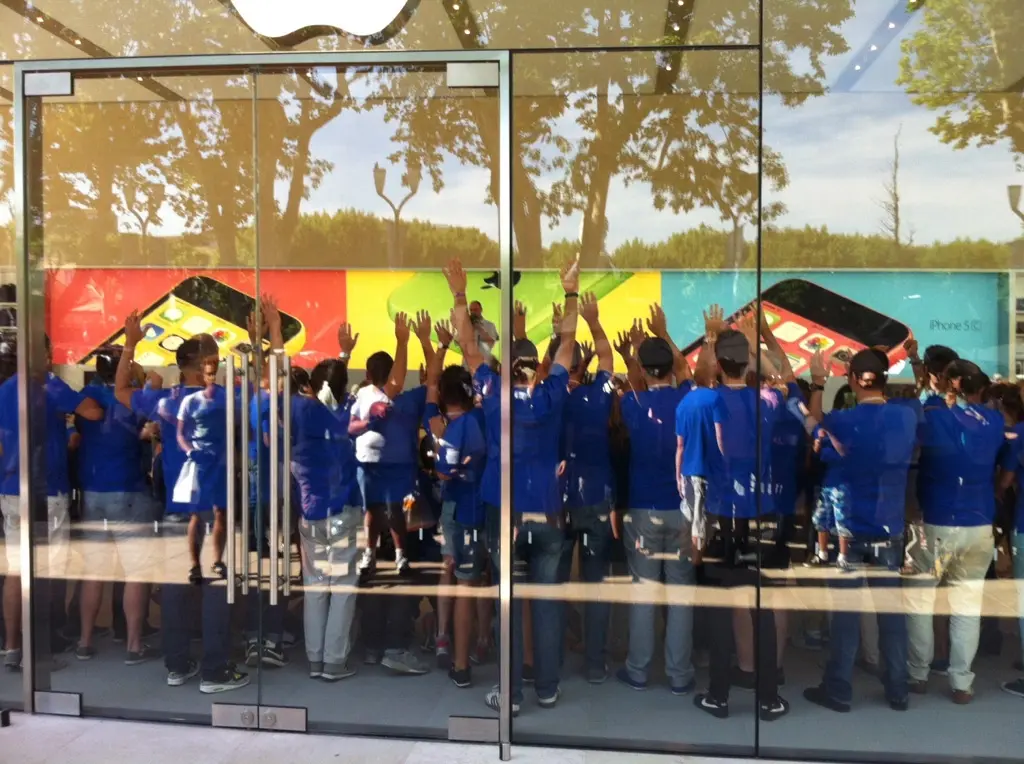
[[57, 740]]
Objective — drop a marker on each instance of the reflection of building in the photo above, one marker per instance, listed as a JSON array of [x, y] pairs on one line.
[[696, 178]]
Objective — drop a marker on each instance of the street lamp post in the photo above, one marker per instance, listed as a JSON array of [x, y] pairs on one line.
[[413, 177]]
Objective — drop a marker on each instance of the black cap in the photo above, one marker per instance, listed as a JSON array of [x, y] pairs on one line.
[[524, 350], [655, 353], [732, 346], [869, 365]]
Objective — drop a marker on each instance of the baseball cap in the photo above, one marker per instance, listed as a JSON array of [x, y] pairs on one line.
[[732, 346], [655, 353]]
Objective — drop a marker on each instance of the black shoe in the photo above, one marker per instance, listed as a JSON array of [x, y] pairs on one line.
[[818, 696], [528, 677], [776, 709], [742, 680], [461, 679], [220, 570], [195, 576], [900, 705], [718, 709], [273, 655]]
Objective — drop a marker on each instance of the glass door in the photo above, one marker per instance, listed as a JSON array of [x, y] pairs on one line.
[[234, 320]]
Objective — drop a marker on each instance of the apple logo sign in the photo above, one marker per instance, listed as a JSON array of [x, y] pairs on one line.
[[362, 18]]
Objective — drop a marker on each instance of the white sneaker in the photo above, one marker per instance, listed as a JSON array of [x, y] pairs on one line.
[[367, 562]]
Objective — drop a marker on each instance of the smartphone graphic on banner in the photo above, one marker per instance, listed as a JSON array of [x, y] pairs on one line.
[[805, 317], [199, 305]]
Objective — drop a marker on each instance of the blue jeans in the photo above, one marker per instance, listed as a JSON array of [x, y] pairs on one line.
[[216, 617], [592, 530], [877, 566], [538, 552], [260, 615]]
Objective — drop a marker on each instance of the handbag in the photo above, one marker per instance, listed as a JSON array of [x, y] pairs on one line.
[[186, 487]]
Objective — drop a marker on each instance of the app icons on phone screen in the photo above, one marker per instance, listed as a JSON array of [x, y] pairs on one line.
[[152, 331], [790, 331], [223, 336], [196, 325], [172, 314], [842, 355], [172, 342], [815, 342]]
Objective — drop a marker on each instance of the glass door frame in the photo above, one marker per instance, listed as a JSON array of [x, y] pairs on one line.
[[31, 295]]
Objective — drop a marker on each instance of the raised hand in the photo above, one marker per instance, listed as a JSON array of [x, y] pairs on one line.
[[714, 322], [423, 374], [556, 318], [588, 307], [820, 366], [456, 277], [133, 333], [657, 324], [570, 275], [519, 321], [402, 328], [271, 315], [423, 326], [747, 325], [588, 353], [912, 348], [346, 340], [637, 335], [622, 345], [443, 330]]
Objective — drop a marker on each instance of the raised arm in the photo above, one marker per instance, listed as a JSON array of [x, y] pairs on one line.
[[776, 351], [657, 324], [633, 374], [456, 277], [423, 325], [602, 345], [123, 376], [396, 380], [519, 321], [714, 324], [571, 284], [435, 421]]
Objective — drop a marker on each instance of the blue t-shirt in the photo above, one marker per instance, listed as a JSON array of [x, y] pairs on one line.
[[162, 406], [789, 452], [585, 443], [696, 417], [110, 456], [393, 471], [536, 425], [650, 417], [488, 386], [743, 484], [60, 401], [876, 443], [461, 453], [259, 447], [1012, 459], [323, 461], [959, 451]]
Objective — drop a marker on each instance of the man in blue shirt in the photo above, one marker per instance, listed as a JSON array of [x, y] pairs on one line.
[[588, 485], [876, 443], [657, 536], [162, 406], [960, 447], [115, 504], [53, 400]]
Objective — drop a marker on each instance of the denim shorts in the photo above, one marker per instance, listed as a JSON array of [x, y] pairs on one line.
[[467, 546], [830, 511]]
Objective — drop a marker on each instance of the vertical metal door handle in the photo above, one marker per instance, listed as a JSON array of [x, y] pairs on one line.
[[229, 383], [286, 511], [275, 475], [246, 420]]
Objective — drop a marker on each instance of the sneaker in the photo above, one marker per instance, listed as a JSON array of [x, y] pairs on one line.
[[679, 690], [252, 654], [818, 696], [742, 680], [272, 655], [178, 678], [403, 662], [493, 701], [816, 561], [335, 672], [372, 656], [84, 653], [12, 661], [402, 564], [623, 676], [844, 566], [220, 570], [918, 686], [901, 704], [443, 652], [551, 700], [717, 708], [316, 670], [528, 675], [597, 674], [963, 697], [940, 667], [462, 679], [776, 709], [229, 679], [367, 563], [195, 576], [146, 654], [1016, 687]]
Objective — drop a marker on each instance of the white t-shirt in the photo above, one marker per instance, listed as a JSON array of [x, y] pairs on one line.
[[370, 443], [483, 327]]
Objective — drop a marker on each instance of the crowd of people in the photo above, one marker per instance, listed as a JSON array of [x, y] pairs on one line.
[[697, 476]]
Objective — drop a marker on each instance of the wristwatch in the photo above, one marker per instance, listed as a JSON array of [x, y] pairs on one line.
[[816, 388]]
